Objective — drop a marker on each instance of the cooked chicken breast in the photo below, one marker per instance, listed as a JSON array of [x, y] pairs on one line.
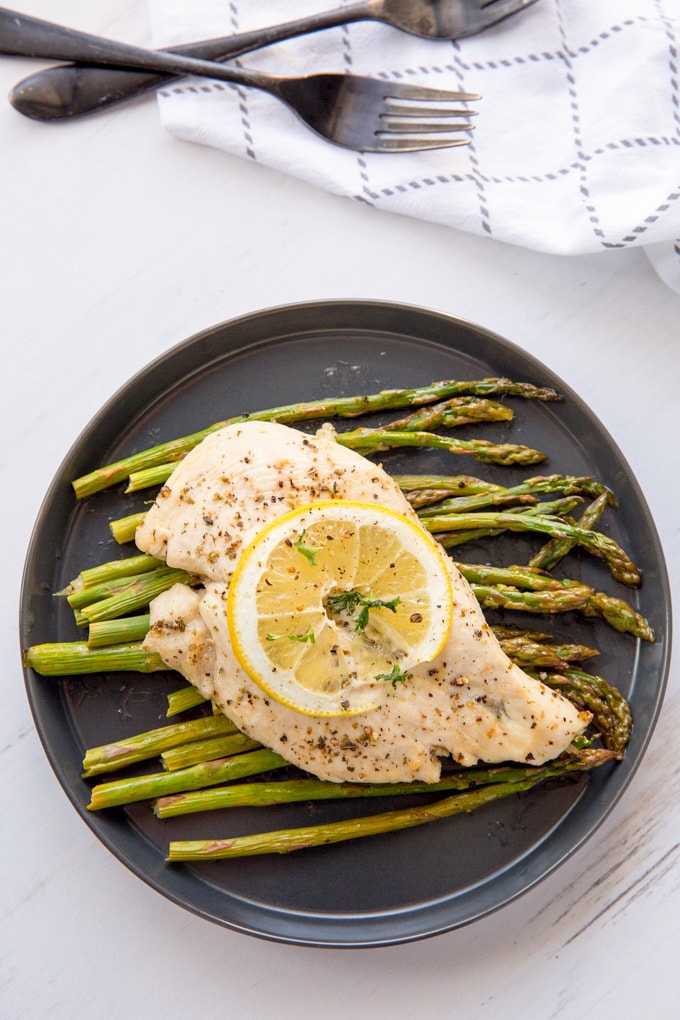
[[243, 476], [471, 703]]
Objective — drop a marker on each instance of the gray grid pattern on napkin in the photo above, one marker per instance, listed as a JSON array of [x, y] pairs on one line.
[[496, 189], [568, 57]]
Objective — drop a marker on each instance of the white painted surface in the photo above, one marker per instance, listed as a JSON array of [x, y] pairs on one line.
[[117, 242]]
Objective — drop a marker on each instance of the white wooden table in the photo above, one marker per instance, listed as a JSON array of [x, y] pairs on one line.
[[118, 242]]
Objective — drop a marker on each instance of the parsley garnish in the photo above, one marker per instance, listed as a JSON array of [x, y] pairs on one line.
[[308, 551], [351, 600], [395, 677], [307, 636]]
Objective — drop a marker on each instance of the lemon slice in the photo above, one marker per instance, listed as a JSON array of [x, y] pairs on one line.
[[331, 605]]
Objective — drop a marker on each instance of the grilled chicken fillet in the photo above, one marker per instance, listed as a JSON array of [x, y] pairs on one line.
[[471, 703]]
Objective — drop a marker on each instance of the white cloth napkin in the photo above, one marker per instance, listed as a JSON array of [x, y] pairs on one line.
[[576, 146]]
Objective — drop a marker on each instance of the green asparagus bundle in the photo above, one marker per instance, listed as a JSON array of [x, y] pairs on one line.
[[284, 841], [341, 407], [199, 756]]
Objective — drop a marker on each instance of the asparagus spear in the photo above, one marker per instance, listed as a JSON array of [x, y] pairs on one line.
[[183, 699], [87, 596], [68, 658], [567, 484], [368, 441], [104, 633], [120, 753], [618, 614], [150, 477], [136, 595], [375, 440], [111, 571], [422, 490], [446, 414], [539, 655], [290, 791], [517, 576], [556, 549], [210, 773], [343, 407], [286, 840], [207, 749], [556, 507], [611, 711], [451, 413], [493, 588], [123, 529], [464, 485], [506, 631], [547, 601], [618, 561]]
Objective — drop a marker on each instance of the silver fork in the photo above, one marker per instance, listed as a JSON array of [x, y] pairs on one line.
[[60, 92], [352, 111]]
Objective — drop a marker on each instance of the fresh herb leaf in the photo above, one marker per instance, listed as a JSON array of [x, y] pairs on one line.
[[350, 601], [307, 636], [308, 551], [395, 677], [346, 601]]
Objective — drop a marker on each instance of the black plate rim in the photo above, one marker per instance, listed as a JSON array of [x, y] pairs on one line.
[[357, 931]]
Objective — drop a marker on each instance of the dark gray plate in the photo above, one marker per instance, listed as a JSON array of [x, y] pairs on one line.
[[398, 887]]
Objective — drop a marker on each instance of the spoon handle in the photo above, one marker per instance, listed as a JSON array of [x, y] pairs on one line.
[[68, 91]]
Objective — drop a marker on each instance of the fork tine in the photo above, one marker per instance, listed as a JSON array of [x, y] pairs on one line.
[[395, 108], [427, 127], [403, 143], [397, 90]]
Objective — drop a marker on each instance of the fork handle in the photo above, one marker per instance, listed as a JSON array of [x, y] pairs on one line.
[[59, 92]]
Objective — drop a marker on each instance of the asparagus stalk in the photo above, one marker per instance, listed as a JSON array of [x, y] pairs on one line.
[[211, 773], [70, 658], [556, 549], [149, 477], [378, 440], [87, 596], [463, 485], [506, 631], [548, 601], [112, 571], [207, 749], [618, 614], [569, 485], [136, 595], [183, 699], [120, 753], [290, 791], [343, 407], [539, 655], [556, 507], [618, 561], [611, 712], [286, 840], [452, 413], [368, 441], [447, 414], [123, 529], [422, 490], [518, 576], [126, 630], [490, 583]]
